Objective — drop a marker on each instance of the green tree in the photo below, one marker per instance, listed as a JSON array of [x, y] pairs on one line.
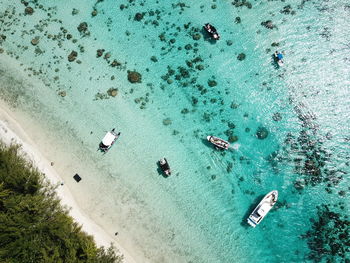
[[34, 226]]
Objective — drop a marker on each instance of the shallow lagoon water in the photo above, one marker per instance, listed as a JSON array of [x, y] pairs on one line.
[[197, 215]]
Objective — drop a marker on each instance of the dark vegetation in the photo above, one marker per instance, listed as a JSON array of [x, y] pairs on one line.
[[34, 226]]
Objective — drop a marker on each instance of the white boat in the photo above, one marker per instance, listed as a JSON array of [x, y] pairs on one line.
[[220, 143], [263, 208], [108, 140]]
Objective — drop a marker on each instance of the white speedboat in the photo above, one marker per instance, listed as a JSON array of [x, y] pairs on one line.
[[220, 143], [108, 141], [263, 208]]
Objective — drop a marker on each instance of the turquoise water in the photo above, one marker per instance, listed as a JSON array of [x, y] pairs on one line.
[[199, 213]]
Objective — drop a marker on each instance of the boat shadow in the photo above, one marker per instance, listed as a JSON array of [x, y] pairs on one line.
[[249, 210], [207, 143]]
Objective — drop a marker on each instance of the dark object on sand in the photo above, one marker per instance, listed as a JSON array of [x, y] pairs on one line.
[[212, 31], [77, 178]]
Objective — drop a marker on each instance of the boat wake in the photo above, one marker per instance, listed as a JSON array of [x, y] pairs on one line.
[[235, 146]]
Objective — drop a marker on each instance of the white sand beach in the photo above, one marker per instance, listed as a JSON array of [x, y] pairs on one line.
[[11, 132]]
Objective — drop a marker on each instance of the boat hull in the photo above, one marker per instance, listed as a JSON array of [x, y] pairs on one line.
[[262, 209], [219, 143], [164, 165]]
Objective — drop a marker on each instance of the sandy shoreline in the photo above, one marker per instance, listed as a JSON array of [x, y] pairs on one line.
[[12, 132]]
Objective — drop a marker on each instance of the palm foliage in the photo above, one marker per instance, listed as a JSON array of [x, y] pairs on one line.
[[34, 226]]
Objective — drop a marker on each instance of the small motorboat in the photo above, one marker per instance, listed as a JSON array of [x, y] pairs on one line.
[[212, 31], [263, 208], [279, 58], [164, 165], [108, 140], [219, 143]]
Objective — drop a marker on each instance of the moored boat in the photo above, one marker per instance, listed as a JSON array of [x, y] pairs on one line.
[[263, 208], [164, 165], [212, 31], [108, 140], [220, 143]]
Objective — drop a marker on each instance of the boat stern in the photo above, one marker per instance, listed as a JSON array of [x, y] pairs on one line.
[[251, 222]]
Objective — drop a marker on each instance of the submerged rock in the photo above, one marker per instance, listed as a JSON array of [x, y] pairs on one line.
[[299, 184], [241, 56], [72, 56], [262, 133], [107, 55], [212, 83], [185, 111], [112, 92], [167, 121], [75, 11], [154, 59], [238, 3], [28, 10], [115, 63], [138, 16], [234, 105], [83, 28], [62, 93], [232, 138], [35, 41], [268, 24], [188, 46], [2, 38], [328, 239], [287, 10], [134, 77], [196, 36], [277, 116], [99, 52], [200, 67]]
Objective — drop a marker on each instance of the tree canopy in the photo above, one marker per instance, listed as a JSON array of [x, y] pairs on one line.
[[34, 226]]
